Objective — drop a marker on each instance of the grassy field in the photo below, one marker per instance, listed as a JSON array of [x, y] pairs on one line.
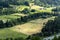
[[8, 17], [7, 33], [45, 10], [20, 8], [11, 16], [31, 27]]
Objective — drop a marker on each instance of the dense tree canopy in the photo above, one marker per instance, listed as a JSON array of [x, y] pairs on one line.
[[47, 2], [52, 27]]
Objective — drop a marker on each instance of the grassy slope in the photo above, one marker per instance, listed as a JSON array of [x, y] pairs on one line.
[[45, 10], [31, 27], [7, 33], [8, 17]]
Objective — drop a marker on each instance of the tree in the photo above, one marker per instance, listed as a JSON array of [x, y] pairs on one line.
[[9, 23], [8, 11], [33, 10], [11, 38], [25, 11], [51, 27], [55, 38], [35, 38], [1, 10], [56, 10], [1, 24], [4, 3], [26, 3], [59, 38], [31, 37]]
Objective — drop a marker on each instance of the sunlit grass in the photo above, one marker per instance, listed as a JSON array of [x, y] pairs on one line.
[[8, 17], [20, 8], [7, 33]]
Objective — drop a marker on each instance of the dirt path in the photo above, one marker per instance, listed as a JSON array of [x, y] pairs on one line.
[[31, 27]]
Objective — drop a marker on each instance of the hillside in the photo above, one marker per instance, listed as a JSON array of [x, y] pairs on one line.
[[25, 2], [28, 19], [47, 2], [6, 3]]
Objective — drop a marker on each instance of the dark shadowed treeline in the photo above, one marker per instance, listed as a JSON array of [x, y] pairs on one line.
[[7, 3], [47, 2], [50, 28]]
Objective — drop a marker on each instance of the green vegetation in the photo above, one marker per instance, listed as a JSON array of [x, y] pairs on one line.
[[34, 38], [56, 38], [47, 3], [8, 17], [8, 33], [18, 12], [51, 27]]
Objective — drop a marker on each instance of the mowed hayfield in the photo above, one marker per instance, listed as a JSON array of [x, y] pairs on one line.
[[32, 27]]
